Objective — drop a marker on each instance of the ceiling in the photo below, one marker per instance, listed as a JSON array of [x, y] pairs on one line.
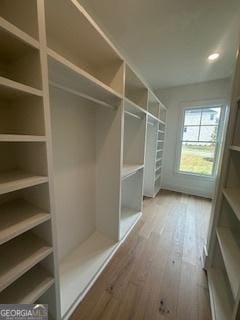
[[168, 41]]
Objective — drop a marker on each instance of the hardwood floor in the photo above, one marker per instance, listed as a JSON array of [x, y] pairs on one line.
[[156, 273]]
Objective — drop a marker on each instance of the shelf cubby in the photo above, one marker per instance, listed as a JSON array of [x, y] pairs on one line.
[[135, 90], [153, 105], [65, 75], [25, 19], [19, 60], [29, 287], [95, 59], [131, 202], [19, 255], [229, 246], [18, 215], [23, 164], [22, 118]]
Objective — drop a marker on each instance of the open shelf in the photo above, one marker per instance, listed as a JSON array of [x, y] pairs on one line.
[[80, 268], [66, 75], [7, 27], [132, 108], [19, 60], [15, 180], [234, 148], [20, 255], [21, 138], [24, 18], [12, 89], [28, 288], [231, 256], [92, 54], [135, 90], [232, 196], [129, 169], [220, 300], [17, 217]]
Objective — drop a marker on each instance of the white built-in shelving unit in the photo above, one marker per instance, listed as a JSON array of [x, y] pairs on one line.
[[223, 261], [73, 120], [154, 146]]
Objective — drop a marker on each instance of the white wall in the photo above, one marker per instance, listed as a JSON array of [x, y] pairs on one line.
[[174, 99]]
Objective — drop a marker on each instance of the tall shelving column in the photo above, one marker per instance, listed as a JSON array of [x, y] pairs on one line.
[[27, 270], [223, 262], [154, 146]]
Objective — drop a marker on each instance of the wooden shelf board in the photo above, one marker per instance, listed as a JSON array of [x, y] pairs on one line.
[[132, 107], [155, 118], [64, 73], [231, 256], [12, 89], [81, 267], [17, 217], [128, 220], [17, 33], [16, 180], [232, 196], [21, 138], [20, 255], [219, 297], [129, 169], [235, 148], [28, 288], [161, 131]]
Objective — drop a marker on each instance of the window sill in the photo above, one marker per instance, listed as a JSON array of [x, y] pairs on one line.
[[195, 175]]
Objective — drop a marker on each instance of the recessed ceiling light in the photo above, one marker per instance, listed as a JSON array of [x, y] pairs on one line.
[[213, 56]]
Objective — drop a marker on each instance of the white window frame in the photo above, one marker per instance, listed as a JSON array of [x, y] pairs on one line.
[[201, 105]]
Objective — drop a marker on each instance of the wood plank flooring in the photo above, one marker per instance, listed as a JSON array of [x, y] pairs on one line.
[[156, 274]]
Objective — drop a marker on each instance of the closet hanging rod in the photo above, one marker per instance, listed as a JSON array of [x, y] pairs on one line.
[[133, 115], [80, 94]]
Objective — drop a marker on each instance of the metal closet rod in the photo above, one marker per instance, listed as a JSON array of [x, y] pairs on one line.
[[132, 115], [80, 94]]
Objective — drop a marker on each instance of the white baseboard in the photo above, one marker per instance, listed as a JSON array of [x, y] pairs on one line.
[[189, 191]]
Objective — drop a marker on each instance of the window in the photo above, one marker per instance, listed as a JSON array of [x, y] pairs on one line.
[[199, 140]]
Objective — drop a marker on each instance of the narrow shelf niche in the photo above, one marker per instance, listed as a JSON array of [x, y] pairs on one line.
[[86, 156], [23, 164], [19, 61], [92, 52], [131, 204], [25, 19], [135, 90]]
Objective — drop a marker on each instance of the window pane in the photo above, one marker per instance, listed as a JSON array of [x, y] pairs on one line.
[[197, 158], [210, 116], [208, 133], [192, 117], [190, 133]]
